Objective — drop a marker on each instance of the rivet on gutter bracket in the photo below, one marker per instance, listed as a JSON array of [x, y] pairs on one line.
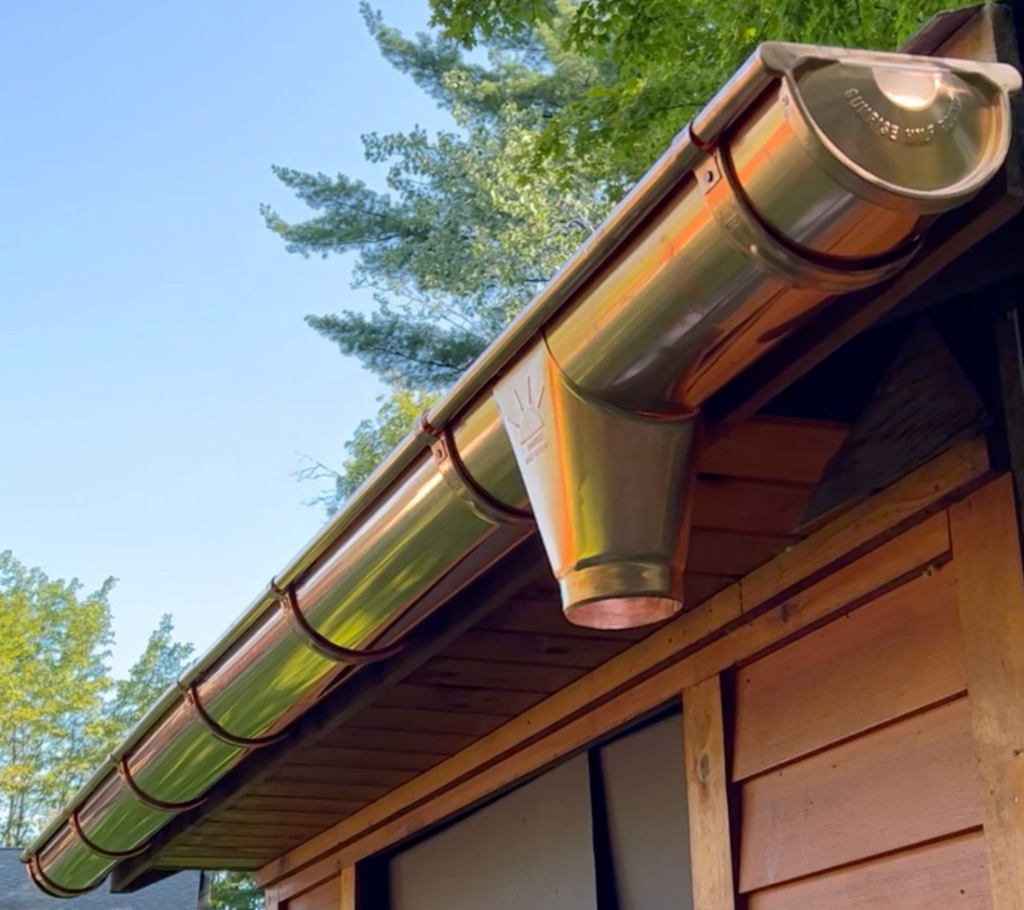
[[324, 646], [76, 825], [244, 742], [35, 870], [464, 487], [152, 802]]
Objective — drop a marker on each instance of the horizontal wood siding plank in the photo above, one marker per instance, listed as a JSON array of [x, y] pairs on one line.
[[318, 789], [214, 864], [948, 875], [885, 660], [771, 449], [727, 504], [283, 839], [255, 817], [902, 785], [397, 741], [730, 553], [364, 758], [212, 858], [285, 804], [246, 826], [324, 897], [340, 774], [425, 721]]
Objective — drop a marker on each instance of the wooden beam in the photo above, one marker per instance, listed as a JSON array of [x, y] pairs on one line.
[[707, 797], [347, 888], [991, 597], [1009, 333], [686, 651]]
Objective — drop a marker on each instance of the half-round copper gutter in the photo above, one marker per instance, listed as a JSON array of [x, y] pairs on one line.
[[767, 205]]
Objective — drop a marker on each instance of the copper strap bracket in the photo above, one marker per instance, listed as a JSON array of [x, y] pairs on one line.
[[461, 483], [76, 825], [44, 883], [151, 802], [323, 645], [243, 742], [776, 254]]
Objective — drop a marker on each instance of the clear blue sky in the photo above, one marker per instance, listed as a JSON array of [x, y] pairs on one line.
[[157, 382]]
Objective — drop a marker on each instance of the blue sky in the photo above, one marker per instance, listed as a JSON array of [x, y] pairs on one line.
[[157, 382]]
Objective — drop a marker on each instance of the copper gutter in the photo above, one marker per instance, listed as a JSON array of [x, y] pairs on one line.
[[812, 173]]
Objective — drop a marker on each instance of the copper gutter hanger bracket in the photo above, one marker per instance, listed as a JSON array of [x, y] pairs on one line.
[[320, 643]]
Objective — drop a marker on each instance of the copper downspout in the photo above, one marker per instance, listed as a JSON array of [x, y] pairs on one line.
[[811, 173]]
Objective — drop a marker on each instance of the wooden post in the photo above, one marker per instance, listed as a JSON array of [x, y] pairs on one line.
[[707, 797], [1010, 356], [347, 881], [990, 588]]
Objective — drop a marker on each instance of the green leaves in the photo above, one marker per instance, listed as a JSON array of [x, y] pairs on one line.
[[54, 642], [161, 663], [468, 230], [61, 711], [370, 444], [660, 60], [234, 891]]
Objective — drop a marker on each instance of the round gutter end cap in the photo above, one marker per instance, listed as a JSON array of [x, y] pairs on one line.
[[924, 133]]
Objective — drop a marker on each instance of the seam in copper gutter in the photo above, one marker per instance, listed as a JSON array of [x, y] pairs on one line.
[[717, 252]]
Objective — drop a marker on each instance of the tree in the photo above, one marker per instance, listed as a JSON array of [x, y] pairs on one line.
[[161, 663], [668, 57], [234, 891], [369, 445], [460, 241], [54, 642], [62, 713]]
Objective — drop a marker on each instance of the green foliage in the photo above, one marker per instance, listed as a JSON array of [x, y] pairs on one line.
[[161, 663], [234, 891], [370, 444], [62, 713], [467, 230], [54, 642], [465, 234], [668, 57]]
